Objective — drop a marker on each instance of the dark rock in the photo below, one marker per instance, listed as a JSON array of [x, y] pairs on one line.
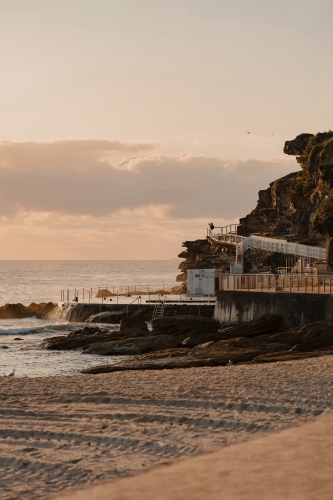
[[111, 317], [290, 204], [4, 347], [268, 323], [201, 338], [42, 310], [12, 311], [86, 331], [298, 145], [17, 338], [183, 327], [133, 323], [184, 324], [131, 346], [312, 340], [205, 254], [90, 335]]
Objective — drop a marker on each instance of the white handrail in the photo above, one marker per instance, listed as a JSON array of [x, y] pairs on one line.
[[228, 234]]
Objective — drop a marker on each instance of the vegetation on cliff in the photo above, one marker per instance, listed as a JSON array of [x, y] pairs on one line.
[[298, 206]]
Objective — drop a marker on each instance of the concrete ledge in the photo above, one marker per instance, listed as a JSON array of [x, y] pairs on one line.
[[296, 308], [295, 464]]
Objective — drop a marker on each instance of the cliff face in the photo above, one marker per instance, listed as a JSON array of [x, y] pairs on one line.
[[287, 208], [205, 254]]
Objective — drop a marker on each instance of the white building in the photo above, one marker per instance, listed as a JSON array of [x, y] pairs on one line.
[[203, 281]]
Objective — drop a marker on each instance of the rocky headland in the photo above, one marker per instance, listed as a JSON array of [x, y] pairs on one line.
[[41, 311], [297, 206]]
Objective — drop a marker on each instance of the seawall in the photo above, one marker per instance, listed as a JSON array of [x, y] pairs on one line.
[[79, 312], [296, 308]]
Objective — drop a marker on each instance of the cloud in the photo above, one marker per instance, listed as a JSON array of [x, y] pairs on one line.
[[98, 178]]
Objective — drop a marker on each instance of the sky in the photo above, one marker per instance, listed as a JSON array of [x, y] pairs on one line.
[[123, 123]]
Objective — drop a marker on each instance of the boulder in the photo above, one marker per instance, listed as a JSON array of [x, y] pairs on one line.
[[177, 325], [131, 346], [12, 311], [111, 317], [132, 323], [73, 341], [200, 338], [268, 323], [311, 340], [90, 335], [42, 310]]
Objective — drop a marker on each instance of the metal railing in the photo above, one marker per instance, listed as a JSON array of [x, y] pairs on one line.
[[291, 270], [127, 294], [292, 283], [228, 234], [102, 293], [229, 229]]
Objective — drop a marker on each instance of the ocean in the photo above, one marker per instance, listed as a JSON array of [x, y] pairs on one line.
[[43, 281]]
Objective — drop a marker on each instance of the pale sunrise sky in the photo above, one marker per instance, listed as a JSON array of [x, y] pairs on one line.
[[123, 123]]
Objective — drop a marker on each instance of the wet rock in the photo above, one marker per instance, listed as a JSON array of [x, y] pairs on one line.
[[90, 335], [131, 346], [86, 331], [112, 317], [13, 311], [133, 323], [42, 310], [74, 340], [313, 340]]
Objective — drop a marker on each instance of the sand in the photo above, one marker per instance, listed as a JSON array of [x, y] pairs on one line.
[[61, 432], [294, 464]]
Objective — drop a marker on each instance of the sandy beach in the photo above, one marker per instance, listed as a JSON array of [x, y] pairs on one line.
[[64, 432]]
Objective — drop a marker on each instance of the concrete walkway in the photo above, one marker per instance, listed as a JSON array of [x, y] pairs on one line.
[[295, 464]]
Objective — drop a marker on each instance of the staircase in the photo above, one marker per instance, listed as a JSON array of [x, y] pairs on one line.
[[159, 308], [228, 234]]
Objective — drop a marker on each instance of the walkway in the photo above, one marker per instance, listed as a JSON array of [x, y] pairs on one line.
[[228, 234]]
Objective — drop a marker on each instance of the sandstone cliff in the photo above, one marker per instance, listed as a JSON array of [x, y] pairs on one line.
[[290, 204], [296, 206], [205, 254]]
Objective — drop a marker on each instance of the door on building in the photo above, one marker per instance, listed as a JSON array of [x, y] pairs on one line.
[[217, 284]]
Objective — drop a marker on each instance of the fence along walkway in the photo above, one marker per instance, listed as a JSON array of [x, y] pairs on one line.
[[292, 283], [228, 234]]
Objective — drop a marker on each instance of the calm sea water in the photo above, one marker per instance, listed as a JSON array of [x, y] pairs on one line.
[[42, 281]]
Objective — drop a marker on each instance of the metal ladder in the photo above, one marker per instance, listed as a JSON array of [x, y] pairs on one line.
[[159, 308], [239, 253]]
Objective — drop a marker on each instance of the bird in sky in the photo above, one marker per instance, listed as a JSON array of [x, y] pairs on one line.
[[249, 132]]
